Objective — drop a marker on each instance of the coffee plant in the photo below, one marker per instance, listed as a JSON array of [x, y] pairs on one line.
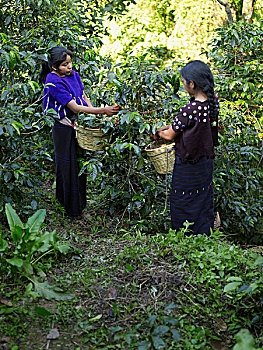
[[237, 55], [147, 96]]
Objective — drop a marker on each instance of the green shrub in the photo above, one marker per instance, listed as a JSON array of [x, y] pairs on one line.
[[147, 95], [238, 175], [237, 54]]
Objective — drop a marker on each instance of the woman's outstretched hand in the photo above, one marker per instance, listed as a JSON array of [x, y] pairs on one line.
[[112, 110], [155, 136]]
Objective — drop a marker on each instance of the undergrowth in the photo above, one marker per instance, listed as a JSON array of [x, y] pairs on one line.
[[138, 291]]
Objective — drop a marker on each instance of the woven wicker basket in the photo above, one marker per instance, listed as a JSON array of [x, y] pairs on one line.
[[162, 156], [88, 138]]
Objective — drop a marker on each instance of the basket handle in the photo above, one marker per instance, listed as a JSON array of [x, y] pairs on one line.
[[166, 186]]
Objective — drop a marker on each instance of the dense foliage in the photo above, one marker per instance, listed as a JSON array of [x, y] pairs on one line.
[[147, 95], [20, 256], [24, 137], [237, 55], [125, 181]]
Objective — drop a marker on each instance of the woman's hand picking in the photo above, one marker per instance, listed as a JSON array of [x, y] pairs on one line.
[[155, 136], [112, 110], [163, 128]]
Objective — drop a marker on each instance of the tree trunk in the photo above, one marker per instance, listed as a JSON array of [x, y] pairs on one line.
[[247, 10], [228, 10]]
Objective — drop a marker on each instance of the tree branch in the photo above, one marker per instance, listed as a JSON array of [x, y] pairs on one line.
[[228, 10], [247, 10]]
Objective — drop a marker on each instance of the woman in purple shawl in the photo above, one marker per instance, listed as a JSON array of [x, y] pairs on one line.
[[64, 93]]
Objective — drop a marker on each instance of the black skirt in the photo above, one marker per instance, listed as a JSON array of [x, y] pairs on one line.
[[192, 196], [70, 187]]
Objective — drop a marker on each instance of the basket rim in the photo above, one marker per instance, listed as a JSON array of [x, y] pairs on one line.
[[86, 128], [159, 149]]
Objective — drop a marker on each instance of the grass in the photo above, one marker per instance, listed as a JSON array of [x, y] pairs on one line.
[[138, 291]]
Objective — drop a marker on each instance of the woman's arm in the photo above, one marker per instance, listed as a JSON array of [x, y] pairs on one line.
[[86, 99], [75, 108], [167, 133]]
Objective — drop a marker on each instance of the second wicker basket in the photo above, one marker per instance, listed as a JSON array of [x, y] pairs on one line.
[[162, 156]]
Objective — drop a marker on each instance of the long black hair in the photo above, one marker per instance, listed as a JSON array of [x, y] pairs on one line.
[[200, 74], [55, 57]]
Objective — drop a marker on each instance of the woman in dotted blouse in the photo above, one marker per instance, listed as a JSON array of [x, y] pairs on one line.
[[195, 130]]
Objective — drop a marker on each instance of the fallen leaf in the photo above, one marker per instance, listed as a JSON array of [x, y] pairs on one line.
[[53, 334], [221, 325], [96, 318], [6, 302], [5, 339], [113, 293]]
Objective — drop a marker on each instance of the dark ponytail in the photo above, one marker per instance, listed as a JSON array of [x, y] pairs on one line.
[[200, 74], [55, 57], [44, 72]]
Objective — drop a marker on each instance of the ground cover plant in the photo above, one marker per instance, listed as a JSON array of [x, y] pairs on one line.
[[138, 291], [20, 256]]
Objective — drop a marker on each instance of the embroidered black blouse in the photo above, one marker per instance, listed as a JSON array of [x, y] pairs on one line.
[[197, 136]]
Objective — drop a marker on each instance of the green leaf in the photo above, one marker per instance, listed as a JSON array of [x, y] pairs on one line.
[[234, 278], [129, 267], [126, 118], [3, 244], [35, 221], [231, 286], [140, 163], [13, 219], [136, 149], [158, 343], [259, 261], [144, 345], [160, 330], [94, 172], [245, 340], [15, 262], [17, 234], [96, 318], [176, 334], [63, 248], [142, 128], [41, 311], [47, 291], [49, 84], [8, 20], [44, 242], [28, 268], [111, 76]]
